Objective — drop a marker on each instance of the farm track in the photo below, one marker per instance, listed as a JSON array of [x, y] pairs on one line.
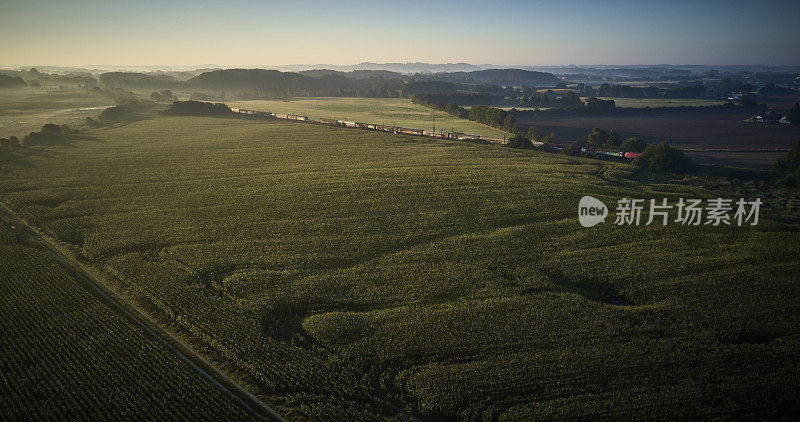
[[247, 401]]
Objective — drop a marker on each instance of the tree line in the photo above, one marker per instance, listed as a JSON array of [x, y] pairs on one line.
[[490, 116]]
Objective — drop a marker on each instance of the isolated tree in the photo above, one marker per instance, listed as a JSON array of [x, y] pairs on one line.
[[533, 134]]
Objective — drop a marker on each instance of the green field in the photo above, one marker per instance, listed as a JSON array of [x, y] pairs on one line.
[[67, 356], [23, 110], [346, 274], [390, 111], [661, 102]]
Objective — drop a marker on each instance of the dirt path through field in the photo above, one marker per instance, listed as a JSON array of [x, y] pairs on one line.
[[32, 238]]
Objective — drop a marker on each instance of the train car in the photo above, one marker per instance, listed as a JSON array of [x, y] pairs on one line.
[[609, 152], [281, 116], [410, 131], [372, 126], [633, 154], [391, 129], [327, 121], [361, 125], [537, 143], [495, 140]]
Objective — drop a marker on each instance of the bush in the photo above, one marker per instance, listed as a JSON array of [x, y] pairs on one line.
[[662, 157]]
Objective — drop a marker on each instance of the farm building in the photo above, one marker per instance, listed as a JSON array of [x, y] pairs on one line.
[[770, 116]]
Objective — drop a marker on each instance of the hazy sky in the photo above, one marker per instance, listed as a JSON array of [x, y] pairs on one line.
[[229, 33]]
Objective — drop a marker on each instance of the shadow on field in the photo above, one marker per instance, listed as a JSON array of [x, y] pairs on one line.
[[591, 289]]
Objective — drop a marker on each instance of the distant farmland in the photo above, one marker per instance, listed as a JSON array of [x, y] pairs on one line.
[[686, 129], [23, 110], [661, 102]]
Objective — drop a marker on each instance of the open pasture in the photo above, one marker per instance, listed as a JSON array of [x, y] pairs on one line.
[[349, 275], [23, 110]]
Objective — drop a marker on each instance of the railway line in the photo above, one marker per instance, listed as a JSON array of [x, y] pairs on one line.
[[423, 132]]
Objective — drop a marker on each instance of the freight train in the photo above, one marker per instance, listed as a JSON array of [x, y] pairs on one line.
[[427, 133]]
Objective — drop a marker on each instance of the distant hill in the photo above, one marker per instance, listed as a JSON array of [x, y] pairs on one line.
[[246, 78], [406, 68], [504, 77], [138, 80], [270, 83], [11, 81], [355, 74]]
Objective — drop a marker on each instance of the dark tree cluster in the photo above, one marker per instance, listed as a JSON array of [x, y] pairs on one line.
[[601, 138], [10, 142], [490, 116], [596, 105], [163, 96], [198, 108], [48, 134], [532, 98], [494, 117], [662, 157]]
